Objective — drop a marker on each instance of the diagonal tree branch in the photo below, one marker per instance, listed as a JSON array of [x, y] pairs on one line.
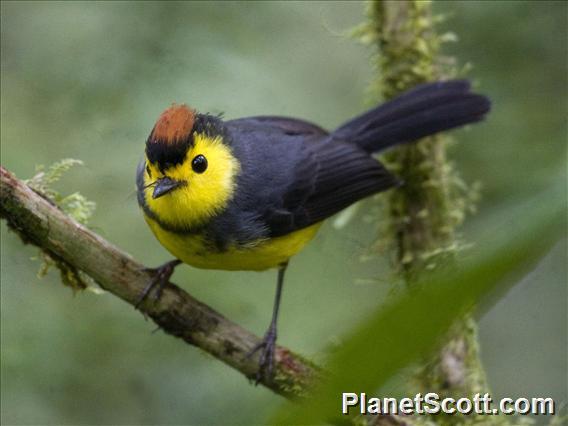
[[38, 221], [41, 223]]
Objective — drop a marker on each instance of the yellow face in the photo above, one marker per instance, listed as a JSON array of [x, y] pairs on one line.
[[205, 182]]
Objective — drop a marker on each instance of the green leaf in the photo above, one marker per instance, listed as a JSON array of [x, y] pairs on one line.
[[409, 326]]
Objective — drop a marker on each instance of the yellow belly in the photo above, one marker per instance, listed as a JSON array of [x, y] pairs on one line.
[[263, 254]]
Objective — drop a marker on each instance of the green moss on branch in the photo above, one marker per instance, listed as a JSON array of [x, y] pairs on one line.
[[39, 221], [426, 212]]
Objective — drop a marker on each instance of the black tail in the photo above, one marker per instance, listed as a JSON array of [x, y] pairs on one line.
[[422, 111]]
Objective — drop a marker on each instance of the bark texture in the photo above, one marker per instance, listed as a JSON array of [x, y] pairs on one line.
[[426, 211], [38, 221]]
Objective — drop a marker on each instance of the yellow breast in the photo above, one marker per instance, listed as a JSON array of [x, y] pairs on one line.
[[257, 256]]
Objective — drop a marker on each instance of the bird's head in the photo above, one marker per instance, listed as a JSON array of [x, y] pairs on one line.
[[190, 170]]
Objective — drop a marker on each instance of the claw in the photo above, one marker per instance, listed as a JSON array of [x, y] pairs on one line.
[[266, 359], [161, 277], [268, 343]]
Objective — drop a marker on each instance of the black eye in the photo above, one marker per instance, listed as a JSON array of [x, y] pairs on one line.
[[199, 164]]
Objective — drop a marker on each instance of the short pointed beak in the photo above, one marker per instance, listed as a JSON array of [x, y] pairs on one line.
[[165, 185]]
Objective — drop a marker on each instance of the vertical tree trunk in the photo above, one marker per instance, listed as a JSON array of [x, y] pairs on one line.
[[425, 212]]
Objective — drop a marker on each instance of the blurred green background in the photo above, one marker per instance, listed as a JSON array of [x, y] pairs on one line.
[[88, 80]]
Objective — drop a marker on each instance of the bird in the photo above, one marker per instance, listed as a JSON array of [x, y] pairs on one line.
[[250, 193]]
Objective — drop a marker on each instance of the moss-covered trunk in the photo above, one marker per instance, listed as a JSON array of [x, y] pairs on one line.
[[426, 211]]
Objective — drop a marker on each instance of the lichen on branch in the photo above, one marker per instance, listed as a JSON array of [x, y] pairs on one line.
[[434, 201], [75, 205], [37, 220], [425, 213]]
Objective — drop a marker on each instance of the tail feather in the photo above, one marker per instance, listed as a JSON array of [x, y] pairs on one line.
[[420, 112]]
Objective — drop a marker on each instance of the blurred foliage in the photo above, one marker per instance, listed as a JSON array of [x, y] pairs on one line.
[[378, 349], [87, 81]]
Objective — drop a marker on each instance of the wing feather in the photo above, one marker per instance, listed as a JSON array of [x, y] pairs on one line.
[[341, 174], [304, 177]]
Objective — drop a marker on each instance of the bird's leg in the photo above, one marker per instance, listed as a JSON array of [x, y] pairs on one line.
[[268, 343], [161, 276]]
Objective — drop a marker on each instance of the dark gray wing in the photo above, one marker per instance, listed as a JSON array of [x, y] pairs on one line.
[[333, 176], [293, 175]]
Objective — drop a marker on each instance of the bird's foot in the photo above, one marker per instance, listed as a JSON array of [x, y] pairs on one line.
[[267, 348], [161, 276]]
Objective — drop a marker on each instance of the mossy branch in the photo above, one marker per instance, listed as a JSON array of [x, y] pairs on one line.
[[39, 221], [426, 211], [77, 250]]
